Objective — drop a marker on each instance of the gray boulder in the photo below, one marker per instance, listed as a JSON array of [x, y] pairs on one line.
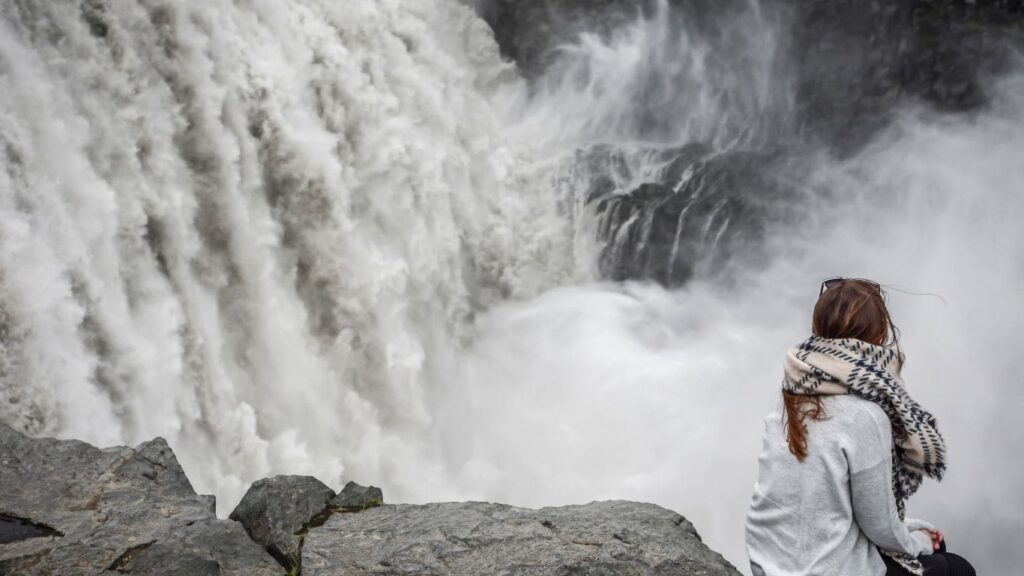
[[276, 511], [602, 538], [69, 508], [354, 497]]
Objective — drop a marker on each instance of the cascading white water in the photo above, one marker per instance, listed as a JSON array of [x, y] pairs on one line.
[[653, 82], [254, 228], [319, 237]]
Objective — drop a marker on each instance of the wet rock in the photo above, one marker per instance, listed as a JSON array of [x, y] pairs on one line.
[[604, 538], [276, 511], [699, 212], [354, 497], [841, 70], [855, 65], [529, 31], [130, 510], [532, 31], [847, 64]]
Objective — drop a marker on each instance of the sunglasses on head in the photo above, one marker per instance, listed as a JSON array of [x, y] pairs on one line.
[[833, 282]]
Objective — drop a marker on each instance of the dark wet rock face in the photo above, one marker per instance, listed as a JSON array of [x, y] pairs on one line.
[[354, 497], [856, 61], [276, 511], [853, 58], [529, 31], [130, 510], [606, 538], [839, 72], [532, 31], [697, 213]]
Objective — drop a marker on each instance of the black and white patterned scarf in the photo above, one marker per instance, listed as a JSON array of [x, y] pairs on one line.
[[822, 366]]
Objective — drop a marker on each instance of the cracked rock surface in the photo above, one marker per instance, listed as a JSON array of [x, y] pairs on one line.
[[602, 538], [276, 511], [69, 508]]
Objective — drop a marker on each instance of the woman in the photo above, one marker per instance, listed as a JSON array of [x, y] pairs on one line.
[[844, 453]]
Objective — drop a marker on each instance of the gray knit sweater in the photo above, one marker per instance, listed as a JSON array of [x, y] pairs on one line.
[[829, 514]]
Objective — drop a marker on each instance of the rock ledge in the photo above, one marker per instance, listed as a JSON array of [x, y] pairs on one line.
[[601, 538], [69, 509]]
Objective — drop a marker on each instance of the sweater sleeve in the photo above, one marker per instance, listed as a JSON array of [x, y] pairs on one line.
[[874, 506]]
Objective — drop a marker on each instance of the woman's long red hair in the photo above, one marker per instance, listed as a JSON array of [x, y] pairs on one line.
[[850, 309]]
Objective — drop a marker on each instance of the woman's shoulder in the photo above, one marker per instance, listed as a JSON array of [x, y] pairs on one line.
[[855, 409], [857, 415]]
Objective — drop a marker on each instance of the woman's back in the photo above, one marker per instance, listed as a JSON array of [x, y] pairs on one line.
[[833, 486], [815, 517]]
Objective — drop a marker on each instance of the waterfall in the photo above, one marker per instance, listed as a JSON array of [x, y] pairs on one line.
[[255, 228], [348, 239]]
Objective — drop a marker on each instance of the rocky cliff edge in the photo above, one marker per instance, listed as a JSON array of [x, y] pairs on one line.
[[68, 509]]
